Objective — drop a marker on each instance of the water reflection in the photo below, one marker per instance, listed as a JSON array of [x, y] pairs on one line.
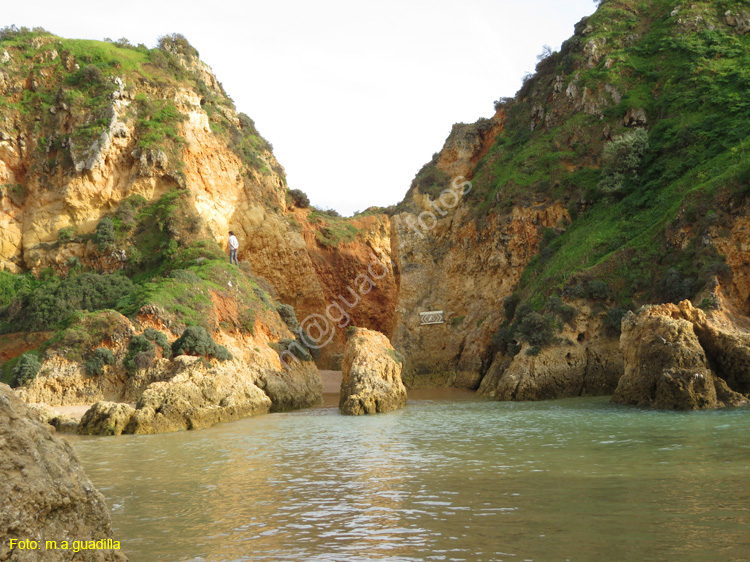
[[440, 480]]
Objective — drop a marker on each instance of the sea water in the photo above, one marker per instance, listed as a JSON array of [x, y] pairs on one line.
[[452, 478]]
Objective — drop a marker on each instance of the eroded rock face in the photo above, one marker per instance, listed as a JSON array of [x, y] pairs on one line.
[[295, 386], [44, 492], [562, 371], [465, 270], [198, 397], [371, 381], [199, 394], [666, 365]]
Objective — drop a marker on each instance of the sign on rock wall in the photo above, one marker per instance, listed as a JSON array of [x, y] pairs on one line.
[[433, 317]]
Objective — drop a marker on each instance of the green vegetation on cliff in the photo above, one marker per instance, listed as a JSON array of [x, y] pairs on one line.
[[48, 77], [639, 125]]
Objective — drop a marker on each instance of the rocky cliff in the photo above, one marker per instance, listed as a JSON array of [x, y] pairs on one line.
[[45, 494], [93, 133], [615, 177]]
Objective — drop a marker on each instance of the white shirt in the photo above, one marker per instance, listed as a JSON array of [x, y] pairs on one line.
[[233, 243]]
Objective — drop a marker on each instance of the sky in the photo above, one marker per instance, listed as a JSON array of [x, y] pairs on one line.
[[355, 96]]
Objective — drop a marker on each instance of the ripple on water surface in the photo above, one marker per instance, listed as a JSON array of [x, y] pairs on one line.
[[578, 480]]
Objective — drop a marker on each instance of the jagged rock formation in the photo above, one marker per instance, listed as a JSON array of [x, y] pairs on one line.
[[184, 392], [668, 367], [196, 397], [44, 492], [371, 375]]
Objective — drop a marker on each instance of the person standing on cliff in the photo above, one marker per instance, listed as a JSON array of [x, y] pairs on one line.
[[233, 245]]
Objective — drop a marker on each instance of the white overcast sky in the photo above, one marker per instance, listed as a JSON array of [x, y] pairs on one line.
[[355, 96]]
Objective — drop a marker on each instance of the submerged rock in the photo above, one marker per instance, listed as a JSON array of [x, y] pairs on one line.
[[371, 375], [666, 365], [44, 492]]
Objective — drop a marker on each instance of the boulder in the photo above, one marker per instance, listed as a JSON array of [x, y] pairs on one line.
[[106, 418], [740, 20], [44, 493], [665, 364], [371, 375]]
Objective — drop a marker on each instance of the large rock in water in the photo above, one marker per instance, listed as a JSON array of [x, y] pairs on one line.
[[198, 395], [44, 493], [371, 381], [106, 418], [666, 365], [566, 370]]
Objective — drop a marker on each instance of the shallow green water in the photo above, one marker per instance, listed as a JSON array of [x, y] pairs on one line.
[[578, 480]]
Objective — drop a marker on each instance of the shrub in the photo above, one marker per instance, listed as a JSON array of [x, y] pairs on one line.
[[102, 356], [504, 341], [534, 350], [575, 291], [613, 321], [286, 311], [176, 43], [565, 312], [52, 302], [196, 341], [597, 290], [621, 160], [675, 288], [509, 306], [105, 236], [295, 347], [299, 198], [160, 339], [126, 214], [135, 256], [536, 329], [247, 320], [711, 302], [263, 296], [66, 234], [26, 369], [140, 354], [91, 74]]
